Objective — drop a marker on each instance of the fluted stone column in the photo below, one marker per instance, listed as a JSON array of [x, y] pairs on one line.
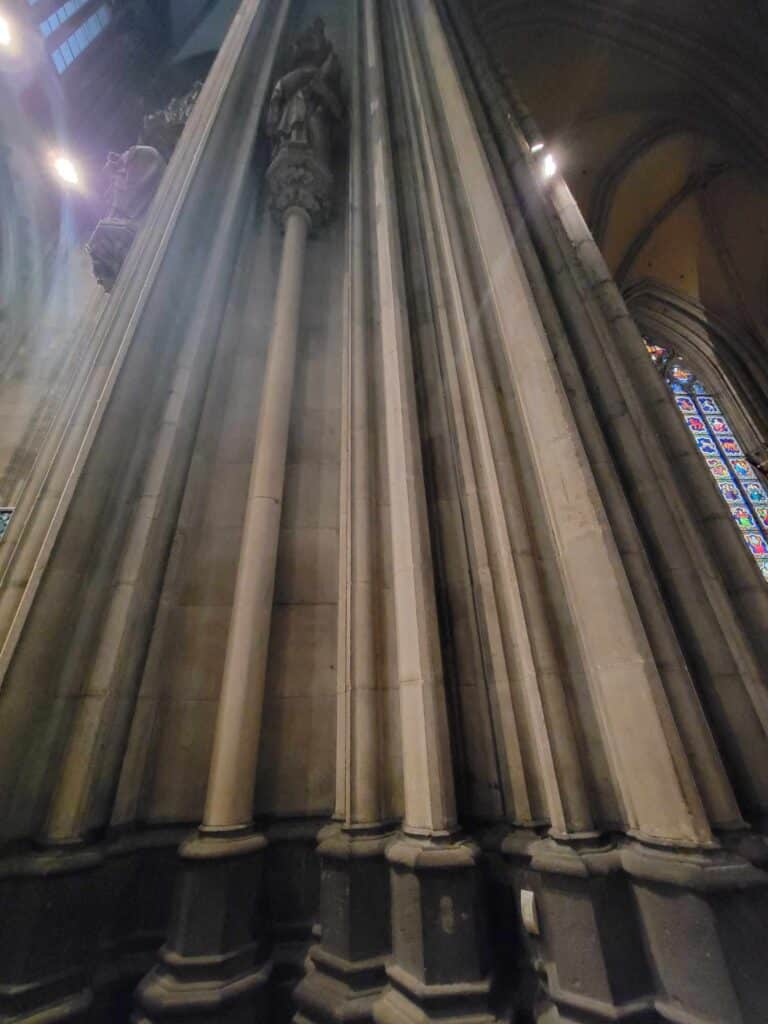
[[215, 964], [438, 964], [346, 967]]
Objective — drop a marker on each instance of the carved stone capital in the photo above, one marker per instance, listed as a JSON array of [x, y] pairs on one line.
[[297, 179]]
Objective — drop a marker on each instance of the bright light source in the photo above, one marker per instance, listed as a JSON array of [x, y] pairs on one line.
[[66, 170], [5, 32], [536, 147], [550, 167]]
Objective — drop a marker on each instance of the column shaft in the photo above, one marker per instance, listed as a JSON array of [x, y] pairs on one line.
[[428, 778], [662, 800], [229, 801], [361, 798]]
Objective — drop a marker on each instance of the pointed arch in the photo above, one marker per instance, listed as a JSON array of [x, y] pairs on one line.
[[732, 362]]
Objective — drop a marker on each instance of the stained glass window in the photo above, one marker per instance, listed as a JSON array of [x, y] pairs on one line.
[[739, 483], [5, 519], [80, 39], [60, 15]]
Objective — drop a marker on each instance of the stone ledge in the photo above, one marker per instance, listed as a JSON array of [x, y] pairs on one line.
[[220, 846], [427, 855], [343, 845], [702, 870], [161, 993]]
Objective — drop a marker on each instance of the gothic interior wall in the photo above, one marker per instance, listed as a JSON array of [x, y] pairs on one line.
[[515, 650]]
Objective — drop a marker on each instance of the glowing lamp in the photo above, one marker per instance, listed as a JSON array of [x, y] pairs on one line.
[[5, 32], [550, 167], [536, 147]]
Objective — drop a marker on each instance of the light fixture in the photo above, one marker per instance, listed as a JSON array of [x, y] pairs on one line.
[[5, 32], [550, 167], [536, 147], [65, 170]]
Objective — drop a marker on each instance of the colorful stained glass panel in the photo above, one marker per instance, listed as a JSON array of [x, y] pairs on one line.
[[743, 517], [754, 491], [686, 404], [5, 520], [730, 491], [742, 468], [709, 406], [730, 446], [681, 375], [757, 543]]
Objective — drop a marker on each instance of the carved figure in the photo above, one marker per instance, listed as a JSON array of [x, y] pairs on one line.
[[133, 177], [306, 98]]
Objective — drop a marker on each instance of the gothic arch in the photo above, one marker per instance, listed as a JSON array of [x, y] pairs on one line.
[[730, 361]]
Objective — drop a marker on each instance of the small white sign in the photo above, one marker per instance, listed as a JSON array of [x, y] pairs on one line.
[[529, 913]]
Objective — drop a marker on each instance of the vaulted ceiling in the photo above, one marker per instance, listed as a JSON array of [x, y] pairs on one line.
[[656, 113]]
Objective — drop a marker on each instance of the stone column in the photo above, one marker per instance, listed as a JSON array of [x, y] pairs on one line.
[[214, 966], [438, 967], [346, 968], [661, 802], [229, 801]]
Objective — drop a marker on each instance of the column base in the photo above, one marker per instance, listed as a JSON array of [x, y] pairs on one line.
[[346, 969], [292, 884], [81, 923], [440, 966], [644, 934], [214, 966], [46, 929]]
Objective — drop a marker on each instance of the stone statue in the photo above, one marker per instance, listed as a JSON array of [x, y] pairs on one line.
[[306, 98], [133, 178], [304, 105]]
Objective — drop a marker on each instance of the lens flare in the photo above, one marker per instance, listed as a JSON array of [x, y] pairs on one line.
[[5, 32], [66, 170]]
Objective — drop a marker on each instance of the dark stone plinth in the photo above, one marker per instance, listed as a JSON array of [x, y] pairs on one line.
[[346, 969], [642, 934], [80, 924], [49, 905], [214, 967], [292, 892], [440, 964]]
